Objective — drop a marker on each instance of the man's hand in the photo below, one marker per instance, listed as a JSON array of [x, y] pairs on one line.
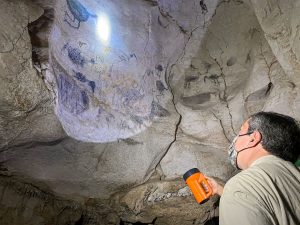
[[216, 187]]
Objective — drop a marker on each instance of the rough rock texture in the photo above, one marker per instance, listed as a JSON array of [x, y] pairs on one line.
[[115, 88], [154, 203], [22, 203], [26, 106], [281, 29], [162, 203], [167, 93], [81, 170]]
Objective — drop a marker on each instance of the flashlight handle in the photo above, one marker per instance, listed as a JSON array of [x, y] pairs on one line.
[[202, 181]]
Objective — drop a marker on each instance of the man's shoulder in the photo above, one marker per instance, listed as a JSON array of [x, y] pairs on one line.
[[269, 182], [246, 180], [237, 182], [262, 173], [240, 191], [274, 167]]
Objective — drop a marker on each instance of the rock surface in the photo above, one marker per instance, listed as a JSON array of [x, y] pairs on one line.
[[98, 132], [26, 105], [112, 87], [22, 203]]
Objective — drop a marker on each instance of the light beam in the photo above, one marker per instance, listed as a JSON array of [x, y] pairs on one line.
[[103, 28]]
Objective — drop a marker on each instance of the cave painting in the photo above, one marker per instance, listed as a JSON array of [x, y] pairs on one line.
[[203, 6], [106, 91], [79, 13], [74, 55], [71, 96]]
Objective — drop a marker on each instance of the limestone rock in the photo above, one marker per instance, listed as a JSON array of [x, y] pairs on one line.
[[280, 26], [167, 92], [79, 170], [24, 204], [187, 153], [163, 203], [26, 105], [110, 88]]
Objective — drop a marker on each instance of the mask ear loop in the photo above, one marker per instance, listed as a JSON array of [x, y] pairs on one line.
[[236, 163]]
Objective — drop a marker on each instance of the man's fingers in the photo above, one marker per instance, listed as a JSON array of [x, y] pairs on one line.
[[210, 180], [206, 187]]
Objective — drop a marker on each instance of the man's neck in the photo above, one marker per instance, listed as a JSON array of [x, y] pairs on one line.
[[258, 153]]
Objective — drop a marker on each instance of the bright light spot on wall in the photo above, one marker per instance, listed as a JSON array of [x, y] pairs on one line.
[[103, 28]]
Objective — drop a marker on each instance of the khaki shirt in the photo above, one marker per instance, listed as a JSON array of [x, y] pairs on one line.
[[268, 192]]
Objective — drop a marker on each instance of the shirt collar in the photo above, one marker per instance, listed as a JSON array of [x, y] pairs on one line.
[[263, 159]]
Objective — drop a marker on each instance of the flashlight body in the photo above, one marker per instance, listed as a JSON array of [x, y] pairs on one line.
[[198, 185]]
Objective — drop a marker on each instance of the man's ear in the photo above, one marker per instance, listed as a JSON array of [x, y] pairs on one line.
[[255, 138]]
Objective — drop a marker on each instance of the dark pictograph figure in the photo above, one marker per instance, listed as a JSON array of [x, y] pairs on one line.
[[189, 79], [100, 110], [85, 98], [248, 58], [133, 55], [92, 85], [214, 78], [130, 96], [79, 13], [79, 76], [74, 55], [160, 86], [203, 6], [124, 57], [110, 117], [158, 70], [137, 119], [70, 96], [158, 111]]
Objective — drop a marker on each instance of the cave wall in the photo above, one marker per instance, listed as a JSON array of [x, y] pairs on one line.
[[26, 104], [202, 67]]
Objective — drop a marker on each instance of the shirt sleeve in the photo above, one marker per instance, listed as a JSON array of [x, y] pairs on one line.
[[240, 208]]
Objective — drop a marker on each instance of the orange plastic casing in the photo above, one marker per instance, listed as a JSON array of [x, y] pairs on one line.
[[196, 183]]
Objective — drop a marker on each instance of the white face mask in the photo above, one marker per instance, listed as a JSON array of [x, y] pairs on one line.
[[233, 153]]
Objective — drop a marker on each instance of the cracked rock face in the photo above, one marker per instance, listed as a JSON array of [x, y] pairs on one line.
[[166, 93], [26, 108], [110, 89]]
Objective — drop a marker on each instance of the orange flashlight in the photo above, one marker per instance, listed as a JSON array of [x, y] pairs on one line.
[[198, 185]]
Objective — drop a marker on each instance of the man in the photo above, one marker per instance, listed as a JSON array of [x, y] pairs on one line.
[[267, 191]]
